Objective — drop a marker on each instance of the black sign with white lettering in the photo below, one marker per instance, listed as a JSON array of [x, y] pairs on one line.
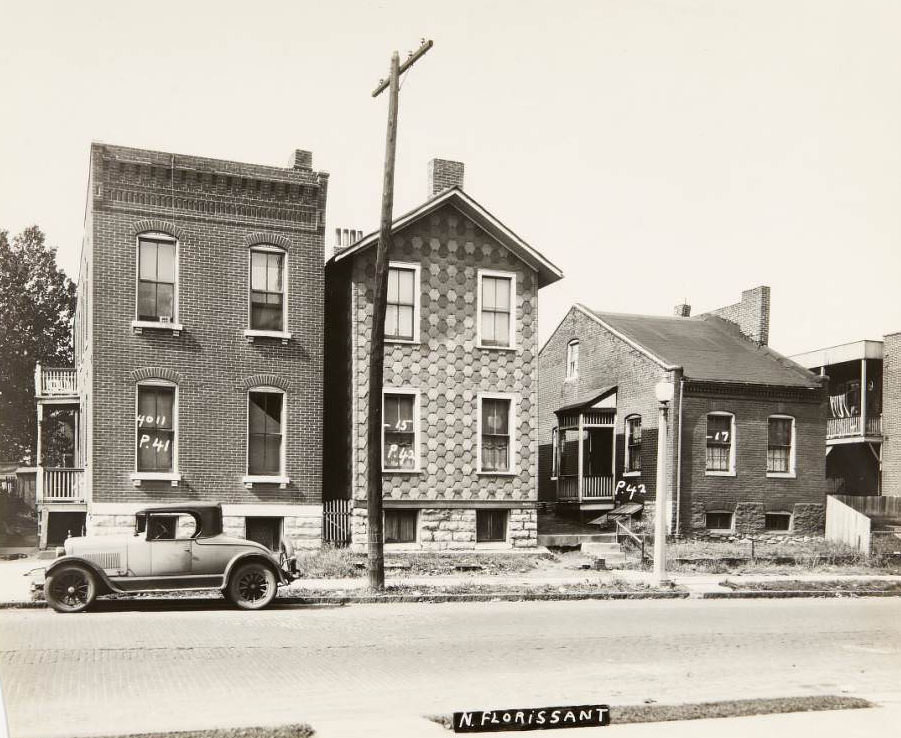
[[531, 718]]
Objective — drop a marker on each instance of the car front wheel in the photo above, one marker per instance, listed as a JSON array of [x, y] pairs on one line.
[[70, 589], [252, 586]]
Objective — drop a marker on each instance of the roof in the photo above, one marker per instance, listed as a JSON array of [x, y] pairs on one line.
[[587, 398], [838, 354], [706, 348], [456, 197], [209, 514]]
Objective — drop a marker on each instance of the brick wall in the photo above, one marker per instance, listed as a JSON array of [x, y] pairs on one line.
[[446, 366], [891, 415], [443, 174], [216, 210], [750, 488], [604, 360]]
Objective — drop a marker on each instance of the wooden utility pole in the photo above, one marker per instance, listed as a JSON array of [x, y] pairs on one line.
[[377, 344]]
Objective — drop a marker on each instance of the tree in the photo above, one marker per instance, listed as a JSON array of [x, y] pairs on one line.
[[37, 302]]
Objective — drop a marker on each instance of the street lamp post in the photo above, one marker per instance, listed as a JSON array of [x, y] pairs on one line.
[[664, 394]]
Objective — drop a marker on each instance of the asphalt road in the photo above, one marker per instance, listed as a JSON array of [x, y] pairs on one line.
[[130, 668]]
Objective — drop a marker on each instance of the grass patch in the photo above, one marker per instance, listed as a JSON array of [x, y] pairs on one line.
[[796, 585], [299, 730], [623, 714], [329, 562]]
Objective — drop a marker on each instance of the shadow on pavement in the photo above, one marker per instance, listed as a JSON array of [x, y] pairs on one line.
[[198, 604]]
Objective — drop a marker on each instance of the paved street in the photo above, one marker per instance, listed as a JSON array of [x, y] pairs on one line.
[[135, 668]]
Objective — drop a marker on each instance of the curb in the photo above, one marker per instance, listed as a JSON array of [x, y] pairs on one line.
[[754, 594], [503, 597]]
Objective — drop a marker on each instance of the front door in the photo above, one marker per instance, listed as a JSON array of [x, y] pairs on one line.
[[169, 538], [597, 459]]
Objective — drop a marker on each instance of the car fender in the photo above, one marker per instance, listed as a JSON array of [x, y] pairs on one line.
[[102, 579], [248, 556]]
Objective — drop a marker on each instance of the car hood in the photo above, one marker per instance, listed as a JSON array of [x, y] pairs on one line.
[[89, 544]]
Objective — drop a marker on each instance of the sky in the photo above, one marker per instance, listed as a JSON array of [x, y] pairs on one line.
[[656, 151]]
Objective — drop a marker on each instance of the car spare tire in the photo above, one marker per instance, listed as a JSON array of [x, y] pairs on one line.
[[252, 586]]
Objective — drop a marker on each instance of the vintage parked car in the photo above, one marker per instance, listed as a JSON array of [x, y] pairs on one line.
[[177, 547]]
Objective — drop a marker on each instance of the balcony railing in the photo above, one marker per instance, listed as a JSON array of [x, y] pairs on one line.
[[852, 427], [593, 488], [56, 484], [55, 382]]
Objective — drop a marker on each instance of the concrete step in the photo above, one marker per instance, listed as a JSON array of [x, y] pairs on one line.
[[600, 549], [573, 539]]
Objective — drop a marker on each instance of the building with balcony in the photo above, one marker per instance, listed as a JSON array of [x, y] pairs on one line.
[[460, 404], [746, 425], [198, 348], [863, 446]]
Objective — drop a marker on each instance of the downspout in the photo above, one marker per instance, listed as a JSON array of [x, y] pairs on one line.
[[679, 461]]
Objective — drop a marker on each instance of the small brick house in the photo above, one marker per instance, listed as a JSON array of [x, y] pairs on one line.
[[460, 395], [198, 347], [746, 426]]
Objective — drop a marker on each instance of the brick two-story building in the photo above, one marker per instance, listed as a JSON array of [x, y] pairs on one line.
[[460, 393], [746, 426], [198, 346]]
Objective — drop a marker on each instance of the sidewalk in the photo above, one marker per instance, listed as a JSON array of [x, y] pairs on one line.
[[15, 585]]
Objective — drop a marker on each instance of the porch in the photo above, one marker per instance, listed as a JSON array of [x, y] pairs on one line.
[[586, 455]]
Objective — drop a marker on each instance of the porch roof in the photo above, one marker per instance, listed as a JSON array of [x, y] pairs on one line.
[[588, 398]]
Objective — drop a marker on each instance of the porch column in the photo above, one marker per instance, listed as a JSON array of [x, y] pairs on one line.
[[38, 461], [581, 453], [863, 397]]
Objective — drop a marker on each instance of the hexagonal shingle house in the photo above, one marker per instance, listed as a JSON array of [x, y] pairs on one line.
[[459, 443]]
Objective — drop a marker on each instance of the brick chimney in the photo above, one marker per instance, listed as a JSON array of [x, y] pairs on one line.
[[444, 174], [751, 315], [682, 310], [345, 237], [302, 160]]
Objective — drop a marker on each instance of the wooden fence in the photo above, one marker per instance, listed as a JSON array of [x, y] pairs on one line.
[[856, 521], [336, 521]]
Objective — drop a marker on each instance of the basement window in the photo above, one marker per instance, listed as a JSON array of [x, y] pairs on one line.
[[778, 521], [401, 525], [718, 521], [491, 526]]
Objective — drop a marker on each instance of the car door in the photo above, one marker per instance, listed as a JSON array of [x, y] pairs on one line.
[[169, 538]]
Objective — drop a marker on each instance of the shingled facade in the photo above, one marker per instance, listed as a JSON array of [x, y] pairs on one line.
[[460, 393], [199, 341], [746, 425]]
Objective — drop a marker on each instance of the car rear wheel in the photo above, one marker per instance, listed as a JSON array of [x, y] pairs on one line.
[[252, 586], [70, 589]]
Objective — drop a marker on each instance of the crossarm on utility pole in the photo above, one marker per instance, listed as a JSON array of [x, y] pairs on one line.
[[411, 60]]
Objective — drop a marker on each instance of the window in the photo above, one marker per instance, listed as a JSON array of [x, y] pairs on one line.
[[780, 451], [265, 432], [402, 311], [156, 428], [633, 444], [495, 435], [555, 452], [266, 531], [169, 527], [572, 360], [718, 520], [400, 526], [156, 278], [721, 444], [778, 521], [400, 430], [496, 291], [491, 526], [267, 289]]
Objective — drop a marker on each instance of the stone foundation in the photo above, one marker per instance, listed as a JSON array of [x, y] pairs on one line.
[[301, 524], [809, 519], [749, 518], [453, 529]]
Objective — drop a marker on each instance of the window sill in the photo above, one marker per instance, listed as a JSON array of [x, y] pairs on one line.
[[632, 474], [408, 341], [173, 477], [401, 471], [493, 545], [251, 334], [709, 473], [485, 347], [252, 479], [483, 473], [780, 475], [138, 326]]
